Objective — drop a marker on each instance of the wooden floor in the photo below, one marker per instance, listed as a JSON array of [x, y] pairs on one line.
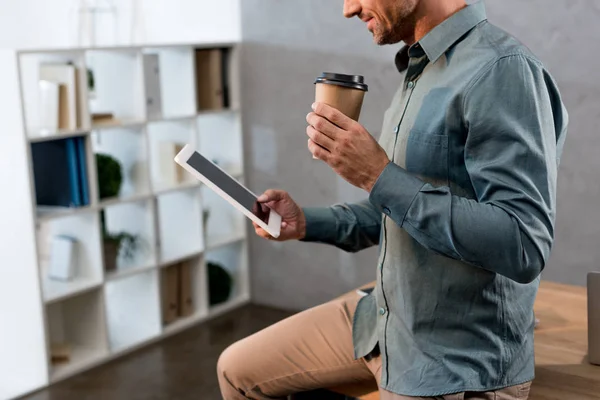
[[181, 367]]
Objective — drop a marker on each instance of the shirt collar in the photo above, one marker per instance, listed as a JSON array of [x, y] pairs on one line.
[[443, 36]]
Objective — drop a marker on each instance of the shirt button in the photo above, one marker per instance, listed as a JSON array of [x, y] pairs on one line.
[[396, 129], [386, 211], [382, 311], [410, 84]]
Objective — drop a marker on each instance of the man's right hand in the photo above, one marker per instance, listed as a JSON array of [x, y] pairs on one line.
[[293, 222]]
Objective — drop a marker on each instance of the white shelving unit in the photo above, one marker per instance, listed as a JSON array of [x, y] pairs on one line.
[[58, 328]]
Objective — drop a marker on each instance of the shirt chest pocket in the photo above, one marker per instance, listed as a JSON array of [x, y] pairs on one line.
[[427, 157]]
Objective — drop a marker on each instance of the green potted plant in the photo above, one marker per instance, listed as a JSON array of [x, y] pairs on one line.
[[125, 244]]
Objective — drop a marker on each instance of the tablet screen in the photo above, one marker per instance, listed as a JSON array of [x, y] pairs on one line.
[[229, 185]]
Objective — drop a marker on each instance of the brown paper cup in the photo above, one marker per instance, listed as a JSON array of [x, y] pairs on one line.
[[342, 92]]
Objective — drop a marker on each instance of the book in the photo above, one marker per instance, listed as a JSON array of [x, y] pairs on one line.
[[83, 176], [170, 298], [74, 179], [186, 301], [48, 105], [51, 173], [210, 94], [65, 75], [62, 258], [152, 85]]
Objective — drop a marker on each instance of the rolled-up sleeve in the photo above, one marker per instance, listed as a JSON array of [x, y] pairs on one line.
[[513, 120]]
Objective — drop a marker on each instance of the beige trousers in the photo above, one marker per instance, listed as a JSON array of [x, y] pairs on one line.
[[314, 350]]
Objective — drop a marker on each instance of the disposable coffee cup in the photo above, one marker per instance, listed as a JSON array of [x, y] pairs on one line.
[[343, 92]]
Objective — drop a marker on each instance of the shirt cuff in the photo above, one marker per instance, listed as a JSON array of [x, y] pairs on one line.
[[320, 224], [394, 192]]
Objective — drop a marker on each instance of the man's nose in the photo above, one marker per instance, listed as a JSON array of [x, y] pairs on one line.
[[351, 8]]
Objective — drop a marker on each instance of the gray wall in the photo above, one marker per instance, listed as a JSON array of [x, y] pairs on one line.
[[288, 43]]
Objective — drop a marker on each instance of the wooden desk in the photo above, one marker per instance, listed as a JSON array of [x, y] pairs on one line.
[[562, 370]]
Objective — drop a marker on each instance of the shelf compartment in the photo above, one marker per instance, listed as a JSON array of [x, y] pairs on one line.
[[183, 292], [117, 96], [179, 224], [61, 174], [220, 140], [132, 310], [166, 139], [84, 228], [133, 224], [58, 106], [128, 147], [213, 81], [76, 333], [224, 264], [176, 82], [222, 223]]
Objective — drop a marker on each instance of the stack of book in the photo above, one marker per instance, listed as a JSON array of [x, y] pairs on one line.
[[60, 172]]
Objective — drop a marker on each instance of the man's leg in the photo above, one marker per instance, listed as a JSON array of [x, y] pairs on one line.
[[307, 351]]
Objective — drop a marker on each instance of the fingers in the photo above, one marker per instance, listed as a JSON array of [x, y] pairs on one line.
[[271, 195], [333, 115], [261, 232], [320, 138], [322, 125], [317, 151]]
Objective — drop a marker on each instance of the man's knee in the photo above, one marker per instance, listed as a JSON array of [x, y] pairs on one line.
[[232, 367]]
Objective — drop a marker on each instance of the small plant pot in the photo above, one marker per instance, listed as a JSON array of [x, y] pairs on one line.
[[111, 252]]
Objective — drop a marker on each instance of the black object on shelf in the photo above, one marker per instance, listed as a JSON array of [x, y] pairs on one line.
[[220, 283]]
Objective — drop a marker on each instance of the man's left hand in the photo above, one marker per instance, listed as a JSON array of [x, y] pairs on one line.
[[345, 145]]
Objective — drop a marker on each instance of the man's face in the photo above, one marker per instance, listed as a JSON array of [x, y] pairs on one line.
[[390, 21]]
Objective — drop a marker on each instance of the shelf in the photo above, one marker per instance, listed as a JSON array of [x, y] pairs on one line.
[[180, 224], [183, 323], [132, 310], [120, 123], [231, 258], [183, 293], [47, 213], [118, 85], [56, 135], [128, 148], [163, 189], [220, 241], [56, 290], [111, 201], [173, 86], [77, 322], [166, 139], [82, 358], [46, 112], [123, 273], [135, 220], [168, 262], [86, 268], [220, 140], [227, 306]]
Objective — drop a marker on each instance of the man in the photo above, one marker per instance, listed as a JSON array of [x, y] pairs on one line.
[[461, 201]]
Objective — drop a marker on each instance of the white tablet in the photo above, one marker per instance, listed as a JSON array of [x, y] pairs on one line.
[[229, 189]]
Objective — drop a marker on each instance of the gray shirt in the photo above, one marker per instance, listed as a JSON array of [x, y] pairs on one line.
[[463, 215]]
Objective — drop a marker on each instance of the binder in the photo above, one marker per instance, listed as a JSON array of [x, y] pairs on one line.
[[170, 299], [186, 302]]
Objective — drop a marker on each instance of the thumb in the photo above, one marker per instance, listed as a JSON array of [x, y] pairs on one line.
[[271, 195]]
